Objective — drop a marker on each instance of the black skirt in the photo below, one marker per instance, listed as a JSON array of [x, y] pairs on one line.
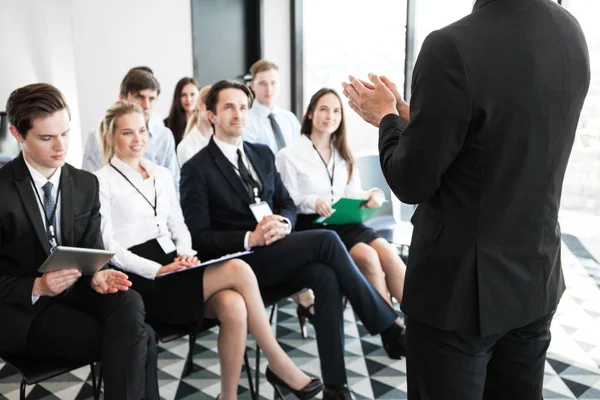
[[351, 234], [175, 299]]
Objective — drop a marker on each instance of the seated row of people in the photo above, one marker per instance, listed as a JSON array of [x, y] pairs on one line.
[[316, 167], [143, 224]]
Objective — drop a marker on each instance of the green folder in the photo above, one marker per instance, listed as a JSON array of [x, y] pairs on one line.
[[347, 211]]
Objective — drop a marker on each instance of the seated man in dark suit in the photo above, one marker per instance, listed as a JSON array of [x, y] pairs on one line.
[[46, 202], [221, 184]]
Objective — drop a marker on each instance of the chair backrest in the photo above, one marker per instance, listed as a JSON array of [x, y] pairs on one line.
[[371, 176]]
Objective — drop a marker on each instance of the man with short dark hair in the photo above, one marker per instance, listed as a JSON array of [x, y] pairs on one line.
[[268, 123], [228, 187], [141, 87], [482, 149], [61, 314]]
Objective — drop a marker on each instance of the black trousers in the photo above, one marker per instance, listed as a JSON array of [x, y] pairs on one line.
[[318, 260], [453, 365], [86, 326]]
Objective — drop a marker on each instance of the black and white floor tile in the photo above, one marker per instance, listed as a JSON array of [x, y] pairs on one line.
[[572, 369]]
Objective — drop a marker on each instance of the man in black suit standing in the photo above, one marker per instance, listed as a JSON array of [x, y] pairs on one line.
[[483, 149], [46, 202], [228, 181]]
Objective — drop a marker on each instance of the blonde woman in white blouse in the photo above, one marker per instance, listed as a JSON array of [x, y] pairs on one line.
[[317, 171], [143, 224]]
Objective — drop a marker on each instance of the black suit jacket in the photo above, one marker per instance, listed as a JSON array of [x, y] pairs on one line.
[[24, 245], [496, 98], [215, 203]]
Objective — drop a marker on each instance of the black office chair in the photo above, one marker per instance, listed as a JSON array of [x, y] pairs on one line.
[[35, 370], [166, 333], [382, 221]]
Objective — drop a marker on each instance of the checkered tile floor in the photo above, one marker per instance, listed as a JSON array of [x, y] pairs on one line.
[[572, 370]]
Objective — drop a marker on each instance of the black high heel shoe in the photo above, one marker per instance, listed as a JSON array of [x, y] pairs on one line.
[[303, 315], [314, 387]]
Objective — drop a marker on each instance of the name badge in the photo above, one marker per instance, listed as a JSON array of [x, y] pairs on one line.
[[167, 245], [260, 210]]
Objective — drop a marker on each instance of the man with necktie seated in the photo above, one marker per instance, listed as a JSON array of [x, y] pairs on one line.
[[61, 314], [268, 123], [233, 199]]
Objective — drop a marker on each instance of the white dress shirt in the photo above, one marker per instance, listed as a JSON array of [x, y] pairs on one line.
[[304, 176], [191, 143], [160, 150], [230, 152], [38, 182], [128, 219], [259, 128]]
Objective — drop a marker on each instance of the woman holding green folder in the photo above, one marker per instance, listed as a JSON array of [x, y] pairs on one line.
[[317, 171]]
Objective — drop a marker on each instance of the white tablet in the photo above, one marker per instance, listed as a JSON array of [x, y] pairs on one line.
[[88, 261]]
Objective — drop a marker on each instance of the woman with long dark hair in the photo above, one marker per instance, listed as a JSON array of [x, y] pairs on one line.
[[317, 171], [185, 101]]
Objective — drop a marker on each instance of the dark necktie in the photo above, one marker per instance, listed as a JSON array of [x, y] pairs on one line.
[[49, 208], [277, 132], [247, 179]]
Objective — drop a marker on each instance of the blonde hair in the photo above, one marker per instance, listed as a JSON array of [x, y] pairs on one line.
[[193, 120], [107, 127]]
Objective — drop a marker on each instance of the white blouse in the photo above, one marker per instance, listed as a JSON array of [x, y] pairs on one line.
[[128, 219], [303, 173], [191, 143]]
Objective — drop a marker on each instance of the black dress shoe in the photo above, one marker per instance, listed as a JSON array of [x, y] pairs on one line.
[[309, 391], [394, 341], [338, 392]]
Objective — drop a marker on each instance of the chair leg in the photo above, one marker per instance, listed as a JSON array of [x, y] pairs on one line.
[[189, 361], [99, 387], [273, 308], [23, 384], [249, 374], [94, 387], [257, 371]]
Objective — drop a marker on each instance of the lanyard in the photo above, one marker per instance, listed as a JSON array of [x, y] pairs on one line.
[[138, 190], [252, 182], [49, 224], [332, 175]]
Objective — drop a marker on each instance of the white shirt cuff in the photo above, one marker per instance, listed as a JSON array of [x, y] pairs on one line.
[[186, 251], [246, 240], [289, 225], [311, 201]]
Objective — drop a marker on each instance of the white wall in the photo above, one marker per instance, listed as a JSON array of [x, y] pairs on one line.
[[86, 47], [111, 36], [277, 44]]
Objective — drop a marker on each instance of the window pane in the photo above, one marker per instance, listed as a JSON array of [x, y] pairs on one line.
[[581, 189], [343, 37]]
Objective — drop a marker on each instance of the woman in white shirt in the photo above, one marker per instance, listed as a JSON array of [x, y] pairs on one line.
[[317, 171], [143, 224], [197, 132]]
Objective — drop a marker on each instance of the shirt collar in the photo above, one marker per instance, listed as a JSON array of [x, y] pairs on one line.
[[230, 150], [40, 180], [263, 110], [129, 172]]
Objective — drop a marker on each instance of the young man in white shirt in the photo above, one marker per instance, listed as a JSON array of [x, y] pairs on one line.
[[267, 123], [61, 314], [141, 87]]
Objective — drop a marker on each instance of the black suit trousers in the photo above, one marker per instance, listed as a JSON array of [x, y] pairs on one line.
[[86, 326], [453, 365], [318, 260]]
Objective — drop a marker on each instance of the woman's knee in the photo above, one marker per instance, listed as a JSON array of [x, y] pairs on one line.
[[366, 259], [230, 308], [241, 271]]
